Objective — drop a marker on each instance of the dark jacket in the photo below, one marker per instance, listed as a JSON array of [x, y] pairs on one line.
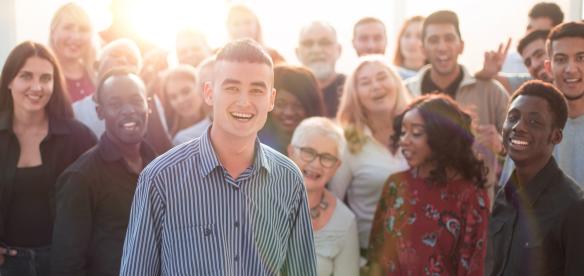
[[66, 140], [94, 198], [537, 228]]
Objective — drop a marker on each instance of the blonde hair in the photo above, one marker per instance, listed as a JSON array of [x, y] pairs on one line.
[[79, 15], [352, 115]]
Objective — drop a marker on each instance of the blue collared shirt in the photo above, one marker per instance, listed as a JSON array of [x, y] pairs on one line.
[[190, 217]]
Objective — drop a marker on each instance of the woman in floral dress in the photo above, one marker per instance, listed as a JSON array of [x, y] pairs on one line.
[[432, 218]]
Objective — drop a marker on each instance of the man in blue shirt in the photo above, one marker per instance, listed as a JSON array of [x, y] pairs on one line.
[[224, 204]]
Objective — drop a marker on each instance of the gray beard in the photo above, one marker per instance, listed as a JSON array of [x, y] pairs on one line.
[[322, 71]]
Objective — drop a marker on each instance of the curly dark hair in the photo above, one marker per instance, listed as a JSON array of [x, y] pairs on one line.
[[449, 131]]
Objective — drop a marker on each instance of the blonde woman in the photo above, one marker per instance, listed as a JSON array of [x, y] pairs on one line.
[[71, 40], [373, 95]]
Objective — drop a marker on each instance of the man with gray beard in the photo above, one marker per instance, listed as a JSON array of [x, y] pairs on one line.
[[319, 50]]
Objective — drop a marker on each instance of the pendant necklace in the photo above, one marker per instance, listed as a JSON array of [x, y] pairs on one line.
[[321, 206]]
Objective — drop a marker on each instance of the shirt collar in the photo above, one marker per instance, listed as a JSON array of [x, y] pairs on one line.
[[209, 161], [531, 192], [56, 126], [109, 151]]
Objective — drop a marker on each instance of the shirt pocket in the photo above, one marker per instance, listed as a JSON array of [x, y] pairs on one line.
[[197, 250]]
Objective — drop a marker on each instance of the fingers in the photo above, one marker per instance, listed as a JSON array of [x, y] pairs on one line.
[[507, 47]]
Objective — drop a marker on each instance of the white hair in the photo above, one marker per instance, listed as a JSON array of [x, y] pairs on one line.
[[319, 126]]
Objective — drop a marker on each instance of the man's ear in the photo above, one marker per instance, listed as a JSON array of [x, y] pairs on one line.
[[557, 136], [547, 65], [208, 93], [290, 150], [99, 110], [272, 99]]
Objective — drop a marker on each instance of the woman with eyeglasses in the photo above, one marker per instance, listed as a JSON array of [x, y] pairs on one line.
[[432, 219], [316, 146], [373, 95]]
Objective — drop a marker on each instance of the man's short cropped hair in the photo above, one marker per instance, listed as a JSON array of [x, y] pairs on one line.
[[441, 17], [568, 29], [531, 37], [244, 50], [549, 10], [555, 99]]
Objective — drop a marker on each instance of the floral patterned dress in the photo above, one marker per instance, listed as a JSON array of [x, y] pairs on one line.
[[424, 229]]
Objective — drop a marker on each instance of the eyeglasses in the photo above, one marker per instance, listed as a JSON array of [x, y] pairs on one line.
[[308, 154]]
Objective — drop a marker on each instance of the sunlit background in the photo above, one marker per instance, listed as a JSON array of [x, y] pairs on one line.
[[484, 23]]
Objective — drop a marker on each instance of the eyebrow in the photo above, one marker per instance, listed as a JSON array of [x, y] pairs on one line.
[[260, 84], [230, 81]]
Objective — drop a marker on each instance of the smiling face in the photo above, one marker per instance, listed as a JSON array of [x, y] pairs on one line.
[[376, 89], [191, 50], [182, 97], [242, 94], [414, 141], [411, 42], [528, 132], [288, 111], [370, 39], [534, 57], [32, 87], [442, 46], [71, 38], [122, 105], [315, 174], [319, 50], [567, 67]]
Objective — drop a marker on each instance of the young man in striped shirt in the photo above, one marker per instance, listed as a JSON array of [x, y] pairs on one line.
[[224, 204]]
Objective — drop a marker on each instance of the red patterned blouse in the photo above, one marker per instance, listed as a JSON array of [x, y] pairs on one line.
[[423, 229]]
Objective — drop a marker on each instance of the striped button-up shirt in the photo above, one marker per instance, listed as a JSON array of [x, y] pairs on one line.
[[190, 217]]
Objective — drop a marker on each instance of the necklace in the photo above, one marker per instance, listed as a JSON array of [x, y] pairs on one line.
[[321, 206]]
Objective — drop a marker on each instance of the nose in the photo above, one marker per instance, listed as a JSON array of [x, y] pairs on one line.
[[127, 109], [36, 85], [519, 126], [404, 140], [570, 66], [243, 98]]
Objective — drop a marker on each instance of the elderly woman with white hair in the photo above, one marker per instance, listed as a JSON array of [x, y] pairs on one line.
[[315, 147]]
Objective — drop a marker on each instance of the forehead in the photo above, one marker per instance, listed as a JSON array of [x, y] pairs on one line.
[[369, 27], [531, 104], [370, 68], [413, 117], [440, 29], [72, 17], [317, 31], [321, 143], [37, 64], [568, 45], [534, 45], [126, 85], [244, 72]]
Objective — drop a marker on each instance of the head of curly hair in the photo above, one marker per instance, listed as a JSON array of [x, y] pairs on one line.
[[449, 132]]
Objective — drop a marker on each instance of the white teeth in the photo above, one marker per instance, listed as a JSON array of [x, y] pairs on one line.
[[239, 115], [519, 142], [130, 124], [311, 175], [572, 80], [406, 153]]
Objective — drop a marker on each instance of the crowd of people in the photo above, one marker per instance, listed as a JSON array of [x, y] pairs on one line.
[[236, 162]]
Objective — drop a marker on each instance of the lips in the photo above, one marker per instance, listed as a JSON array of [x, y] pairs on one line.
[[311, 175], [130, 125], [241, 116], [519, 143]]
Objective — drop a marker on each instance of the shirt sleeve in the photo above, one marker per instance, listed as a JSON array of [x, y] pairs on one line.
[[73, 225], [342, 178], [573, 240], [472, 244], [301, 257], [142, 247], [346, 263]]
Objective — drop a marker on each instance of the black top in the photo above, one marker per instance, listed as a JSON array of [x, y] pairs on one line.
[[28, 221], [428, 85], [331, 95], [65, 141], [94, 198], [537, 229]]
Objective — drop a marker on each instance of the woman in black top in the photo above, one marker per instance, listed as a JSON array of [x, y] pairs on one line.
[[38, 139]]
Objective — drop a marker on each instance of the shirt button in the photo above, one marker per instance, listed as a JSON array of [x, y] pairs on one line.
[[236, 258], [236, 223], [208, 232]]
